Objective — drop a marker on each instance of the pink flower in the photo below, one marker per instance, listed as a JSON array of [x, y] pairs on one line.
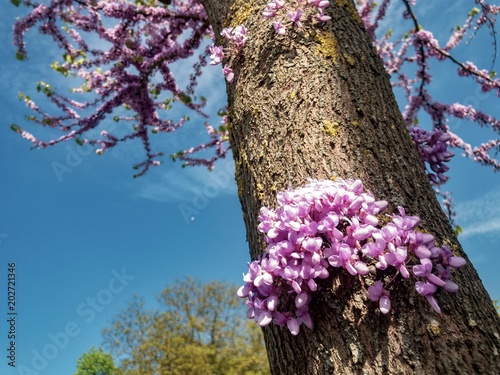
[[320, 16], [228, 72], [217, 54], [279, 28], [295, 17], [377, 293]]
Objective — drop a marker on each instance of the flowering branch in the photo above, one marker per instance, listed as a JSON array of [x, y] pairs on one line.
[[426, 48], [130, 79], [294, 13], [418, 46], [131, 73]]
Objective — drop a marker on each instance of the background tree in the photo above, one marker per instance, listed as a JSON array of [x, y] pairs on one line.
[[95, 362], [318, 101], [199, 329]]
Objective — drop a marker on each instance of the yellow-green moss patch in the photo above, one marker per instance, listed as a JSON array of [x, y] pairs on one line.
[[350, 60], [240, 11], [327, 45], [434, 329], [331, 128]]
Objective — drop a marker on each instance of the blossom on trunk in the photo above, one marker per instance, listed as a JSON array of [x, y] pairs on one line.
[[325, 227]]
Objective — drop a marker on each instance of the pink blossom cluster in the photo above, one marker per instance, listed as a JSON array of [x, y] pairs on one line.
[[325, 226], [294, 13], [479, 154], [236, 37], [419, 47], [432, 147], [482, 76], [218, 137], [457, 36], [127, 79], [366, 9]]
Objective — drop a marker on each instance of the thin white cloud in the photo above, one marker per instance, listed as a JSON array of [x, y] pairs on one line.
[[169, 183], [482, 228], [480, 216], [190, 185]]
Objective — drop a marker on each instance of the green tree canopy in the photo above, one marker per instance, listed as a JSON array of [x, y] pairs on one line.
[[95, 362], [200, 329]]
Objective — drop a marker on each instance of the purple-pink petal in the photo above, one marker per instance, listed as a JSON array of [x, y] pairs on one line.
[[385, 304], [265, 318], [436, 280], [301, 300], [451, 286], [425, 289], [432, 301], [293, 326], [375, 291], [457, 262]]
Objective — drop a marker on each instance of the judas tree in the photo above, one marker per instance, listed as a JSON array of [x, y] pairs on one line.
[[355, 270]]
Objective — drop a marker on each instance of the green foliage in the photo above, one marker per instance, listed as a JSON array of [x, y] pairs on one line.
[[222, 112], [16, 128], [95, 362], [22, 96], [474, 12], [200, 329], [176, 155], [186, 99], [59, 68], [167, 103], [44, 87], [497, 306]]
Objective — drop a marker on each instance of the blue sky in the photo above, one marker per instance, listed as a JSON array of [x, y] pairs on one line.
[[85, 241]]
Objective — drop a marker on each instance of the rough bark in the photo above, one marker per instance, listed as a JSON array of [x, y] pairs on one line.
[[317, 103]]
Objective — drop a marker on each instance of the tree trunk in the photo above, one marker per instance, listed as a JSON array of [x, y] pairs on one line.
[[317, 103]]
